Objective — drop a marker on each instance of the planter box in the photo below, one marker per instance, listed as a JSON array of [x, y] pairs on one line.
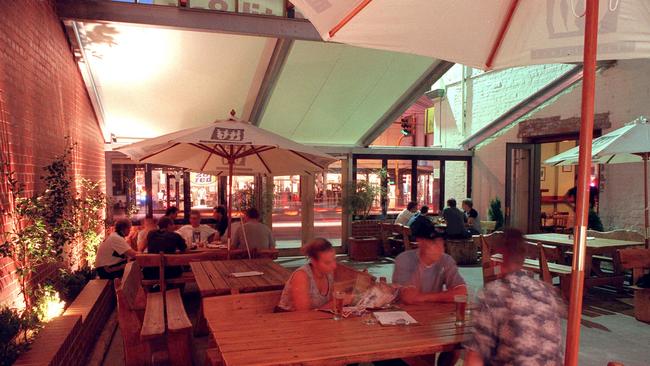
[[464, 251], [364, 248]]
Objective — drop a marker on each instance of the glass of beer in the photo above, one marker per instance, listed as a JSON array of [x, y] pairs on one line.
[[461, 305], [337, 307]]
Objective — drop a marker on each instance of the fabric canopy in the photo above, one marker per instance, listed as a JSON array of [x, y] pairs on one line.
[[215, 147], [623, 145], [486, 34]]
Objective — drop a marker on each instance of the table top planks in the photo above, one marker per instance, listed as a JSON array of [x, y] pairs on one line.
[[214, 277], [314, 338], [595, 243]]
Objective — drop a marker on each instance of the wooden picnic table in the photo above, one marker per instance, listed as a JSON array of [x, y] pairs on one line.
[[215, 277], [594, 276], [314, 338]]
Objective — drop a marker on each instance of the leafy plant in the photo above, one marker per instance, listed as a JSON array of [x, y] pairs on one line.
[[69, 284], [10, 326], [495, 213], [362, 194], [89, 209]]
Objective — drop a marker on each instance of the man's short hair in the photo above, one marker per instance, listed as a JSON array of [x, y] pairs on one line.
[[165, 222], [411, 205], [468, 202], [122, 225], [451, 202], [195, 213], [424, 210], [252, 213], [171, 210]]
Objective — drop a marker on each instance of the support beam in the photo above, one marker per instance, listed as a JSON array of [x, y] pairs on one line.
[[346, 218], [307, 196], [273, 71], [172, 17], [419, 87]]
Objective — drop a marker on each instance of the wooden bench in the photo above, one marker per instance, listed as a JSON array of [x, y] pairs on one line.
[[488, 243], [637, 260], [54, 343], [179, 329]]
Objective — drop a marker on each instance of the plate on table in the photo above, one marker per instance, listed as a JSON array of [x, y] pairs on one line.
[[216, 246]]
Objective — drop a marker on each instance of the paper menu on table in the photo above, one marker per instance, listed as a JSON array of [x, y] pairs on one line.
[[246, 274], [394, 318]]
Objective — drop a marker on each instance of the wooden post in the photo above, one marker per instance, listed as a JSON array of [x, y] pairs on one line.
[[582, 185], [346, 219], [307, 197], [268, 191], [148, 186]]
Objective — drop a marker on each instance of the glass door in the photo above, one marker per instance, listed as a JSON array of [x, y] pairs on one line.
[[522, 201]]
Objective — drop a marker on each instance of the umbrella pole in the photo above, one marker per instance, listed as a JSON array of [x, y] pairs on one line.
[[230, 170], [584, 173], [645, 196]]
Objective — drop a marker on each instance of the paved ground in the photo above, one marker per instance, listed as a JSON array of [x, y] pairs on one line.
[[609, 331]]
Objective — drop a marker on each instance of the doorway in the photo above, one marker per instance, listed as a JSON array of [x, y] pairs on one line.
[[522, 201]]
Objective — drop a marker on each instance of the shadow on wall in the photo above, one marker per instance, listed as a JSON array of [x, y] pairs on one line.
[[101, 34]]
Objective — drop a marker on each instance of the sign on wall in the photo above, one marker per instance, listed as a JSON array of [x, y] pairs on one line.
[[430, 118]]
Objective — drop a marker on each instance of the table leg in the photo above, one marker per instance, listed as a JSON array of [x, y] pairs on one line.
[[201, 328]]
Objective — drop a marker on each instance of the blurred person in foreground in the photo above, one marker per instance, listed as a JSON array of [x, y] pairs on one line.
[[518, 317]]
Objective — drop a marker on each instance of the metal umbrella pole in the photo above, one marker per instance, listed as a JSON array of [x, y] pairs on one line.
[[584, 173]]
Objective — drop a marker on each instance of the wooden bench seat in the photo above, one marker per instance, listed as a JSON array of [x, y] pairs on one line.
[[638, 260], [153, 323], [53, 343], [179, 329]]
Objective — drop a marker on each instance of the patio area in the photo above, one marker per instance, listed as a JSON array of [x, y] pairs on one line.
[[318, 182]]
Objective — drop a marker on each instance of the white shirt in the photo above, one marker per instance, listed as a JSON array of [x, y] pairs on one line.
[[111, 250], [404, 217], [187, 232]]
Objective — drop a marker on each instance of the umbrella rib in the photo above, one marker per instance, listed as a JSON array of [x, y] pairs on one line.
[[263, 162], [309, 160], [255, 150], [348, 17], [496, 46], [208, 159], [161, 151]]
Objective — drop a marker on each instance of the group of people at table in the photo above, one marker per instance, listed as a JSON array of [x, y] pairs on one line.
[[516, 320], [459, 223], [162, 235]]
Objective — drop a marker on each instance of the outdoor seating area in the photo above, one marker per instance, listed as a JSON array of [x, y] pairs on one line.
[[320, 182]]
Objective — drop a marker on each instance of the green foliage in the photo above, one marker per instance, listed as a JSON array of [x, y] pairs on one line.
[[361, 195], [495, 213], [58, 199], [594, 222], [69, 284], [89, 209], [10, 326]]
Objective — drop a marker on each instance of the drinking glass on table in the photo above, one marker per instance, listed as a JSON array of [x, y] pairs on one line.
[[337, 305], [461, 304]]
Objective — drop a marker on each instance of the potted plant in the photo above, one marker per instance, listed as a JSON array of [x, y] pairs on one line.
[[495, 214]]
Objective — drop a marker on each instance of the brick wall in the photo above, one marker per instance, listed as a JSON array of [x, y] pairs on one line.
[[42, 100]]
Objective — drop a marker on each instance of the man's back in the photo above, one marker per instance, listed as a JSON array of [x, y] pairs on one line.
[[256, 234], [455, 219], [165, 241], [518, 323]]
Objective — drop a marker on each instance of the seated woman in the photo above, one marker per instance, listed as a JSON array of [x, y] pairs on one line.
[[311, 286]]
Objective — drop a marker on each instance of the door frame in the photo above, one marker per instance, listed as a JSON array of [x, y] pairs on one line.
[[534, 207]]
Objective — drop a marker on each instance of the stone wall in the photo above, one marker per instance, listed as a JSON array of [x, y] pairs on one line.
[[42, 100]]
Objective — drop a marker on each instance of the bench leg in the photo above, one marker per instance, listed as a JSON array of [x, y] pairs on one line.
[[201, 327], [179, 346], [565, 287]]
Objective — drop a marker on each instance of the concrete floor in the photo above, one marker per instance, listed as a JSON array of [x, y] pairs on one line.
[[609, 331]]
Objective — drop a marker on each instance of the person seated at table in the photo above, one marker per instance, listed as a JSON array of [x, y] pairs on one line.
[[172, 213], [167, 241], [149, 224], [252, 234], [472, 222], [221, 216], [455, 219], [404, 216], [517, 321], [311, 286], [113, 252], [419, 221], [196, 233]]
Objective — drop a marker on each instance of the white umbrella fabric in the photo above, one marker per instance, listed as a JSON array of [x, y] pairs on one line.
[[485, 34], [628, 144], [229, 147]]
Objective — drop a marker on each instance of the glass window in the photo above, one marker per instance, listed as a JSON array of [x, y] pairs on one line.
[[455, 180], [287, 222], [428, 188], [204, 191], [327, 207], [243, 188], [399, 185], [369, 170]]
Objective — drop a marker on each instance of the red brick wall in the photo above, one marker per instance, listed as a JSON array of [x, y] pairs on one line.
[[42, 100]]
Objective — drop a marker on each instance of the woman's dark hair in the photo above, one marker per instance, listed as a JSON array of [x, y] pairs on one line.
[[171, 210], [123, 225], [221, 210], [317, 246]]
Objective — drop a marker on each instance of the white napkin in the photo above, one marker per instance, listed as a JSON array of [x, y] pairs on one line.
[[246, 274]]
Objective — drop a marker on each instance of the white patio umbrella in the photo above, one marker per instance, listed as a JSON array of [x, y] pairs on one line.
[[229, 147], [628, 144], [486, 34]]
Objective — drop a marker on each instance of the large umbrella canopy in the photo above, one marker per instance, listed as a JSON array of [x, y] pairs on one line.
[[624, 145], [215, 147], [628, 144], [484, 34]]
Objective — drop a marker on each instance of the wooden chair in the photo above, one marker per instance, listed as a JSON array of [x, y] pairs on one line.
[[347, 278], [179, 329], [560, 222], [488, 244], [406, 235], [637, 260], [550, 270], [391, 237], [130, 304]]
